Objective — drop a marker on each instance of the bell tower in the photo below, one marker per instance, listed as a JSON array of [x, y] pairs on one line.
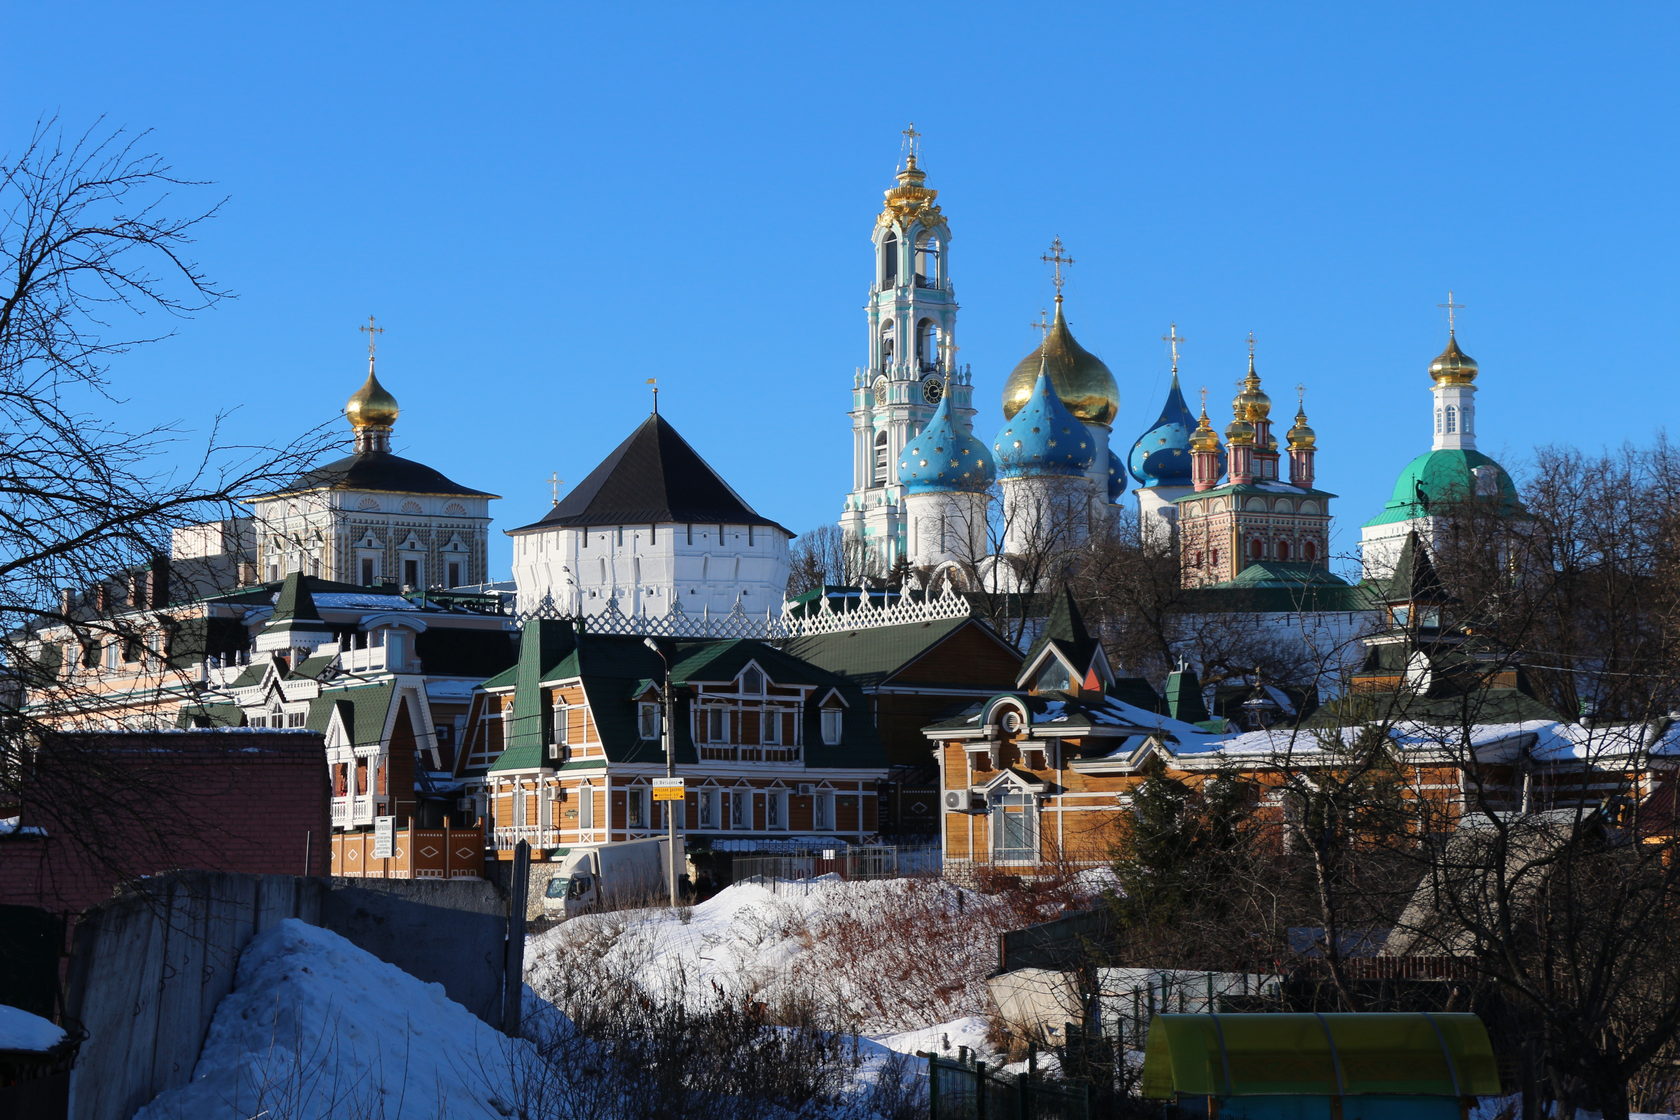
[[912, 321]]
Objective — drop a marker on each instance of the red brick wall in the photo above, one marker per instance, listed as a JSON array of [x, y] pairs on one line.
[[119, 805]]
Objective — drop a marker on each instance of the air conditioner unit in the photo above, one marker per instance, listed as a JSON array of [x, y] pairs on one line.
[[557, 793], [962, 801], [559, 752], [804, 789], [466, 805]]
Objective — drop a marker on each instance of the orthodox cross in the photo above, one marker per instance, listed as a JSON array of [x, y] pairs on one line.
[[1204, 400], [554, 481], [1451, 307], [1301, 397], [910, 138], [1055, 258], [1251, 348], [1043, 324], [951, 349], [1173, 338], [373, 332]]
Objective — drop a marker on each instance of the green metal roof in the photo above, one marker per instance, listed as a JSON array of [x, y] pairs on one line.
[[363, 709], [1443, 477], [874, 655], [1275, 586], [1441, 1054]]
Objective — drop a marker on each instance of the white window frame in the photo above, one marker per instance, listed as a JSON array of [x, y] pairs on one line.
[[562, 719], [518, 813], [635, 807], [770, 727], [833, 726], [717, 725], [822, 809], [775, 810], [707, 807], [647, 720], [586, 807], [740, 809]]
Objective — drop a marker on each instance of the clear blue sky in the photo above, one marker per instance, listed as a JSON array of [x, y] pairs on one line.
[[546, 204]]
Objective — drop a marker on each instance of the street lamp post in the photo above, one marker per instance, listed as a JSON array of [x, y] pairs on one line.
[[668, 736]]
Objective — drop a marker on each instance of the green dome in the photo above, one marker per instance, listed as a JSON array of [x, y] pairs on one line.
[[1444, 476]]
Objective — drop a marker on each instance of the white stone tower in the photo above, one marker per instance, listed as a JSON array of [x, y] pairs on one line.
[[912, 318]]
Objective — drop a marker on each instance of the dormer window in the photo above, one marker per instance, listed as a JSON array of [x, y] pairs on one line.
[[832, 720], [752, 682], [647, 720]]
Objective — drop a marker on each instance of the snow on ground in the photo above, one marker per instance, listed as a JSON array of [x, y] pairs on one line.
[[315, 1027], [880, 957], [20, 1030]]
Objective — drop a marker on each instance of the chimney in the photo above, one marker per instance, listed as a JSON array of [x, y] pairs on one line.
[[137, 581], [66, 600], [102, 598], [160, 581], [247, 573]]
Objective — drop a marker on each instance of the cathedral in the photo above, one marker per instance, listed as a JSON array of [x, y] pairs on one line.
[[1240, 511]]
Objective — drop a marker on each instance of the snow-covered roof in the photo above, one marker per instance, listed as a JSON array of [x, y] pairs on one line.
[[1539, 740], [22, 1030]]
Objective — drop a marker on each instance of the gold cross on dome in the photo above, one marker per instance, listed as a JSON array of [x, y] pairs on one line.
[[910, 134], [1251, 347], [1056, 260], [554, 481], [1301, 396], [372, 332], [1451, 307], [1043, 324], [1173, 338]]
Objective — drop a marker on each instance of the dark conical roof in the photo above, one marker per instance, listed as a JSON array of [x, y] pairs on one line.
[[650, 478], [381, 471], [1414, 578], [1064, 627], [295, 606]]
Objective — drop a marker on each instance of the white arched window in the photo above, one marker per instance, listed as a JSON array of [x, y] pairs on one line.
[[880, 458], [1437, 421], [889, 261], [927, 261], [927, 344], [1451, 419], [886, 343]]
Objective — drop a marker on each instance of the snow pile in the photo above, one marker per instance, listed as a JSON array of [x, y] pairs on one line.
[[880, 957], [316, 1027], [20, 1030]]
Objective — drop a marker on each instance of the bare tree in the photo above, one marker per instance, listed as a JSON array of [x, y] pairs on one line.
[[825, 556], [93, 240]]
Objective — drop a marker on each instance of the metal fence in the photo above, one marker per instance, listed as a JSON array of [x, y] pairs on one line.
[[962, 1089], [862, 861]]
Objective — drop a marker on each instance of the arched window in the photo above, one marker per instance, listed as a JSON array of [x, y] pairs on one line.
[[880, 458], [927, 344], [1451, 419], [1283, 550], [1437, 421], [889, 261], [886, 343], [1255, 549], [1309, 552], [927, 261]]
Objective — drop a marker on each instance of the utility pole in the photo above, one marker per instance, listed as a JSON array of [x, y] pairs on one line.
[[671, 807]]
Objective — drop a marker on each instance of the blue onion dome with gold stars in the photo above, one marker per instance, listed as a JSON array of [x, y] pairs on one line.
[[943, 457], [1116, 478], [1161, 455], [1043, 437], [1083, 383]]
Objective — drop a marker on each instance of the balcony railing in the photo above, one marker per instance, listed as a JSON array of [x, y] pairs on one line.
[[533, 835]]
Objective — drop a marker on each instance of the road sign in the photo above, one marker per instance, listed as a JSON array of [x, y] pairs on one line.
[[384, 837], [668, 789]]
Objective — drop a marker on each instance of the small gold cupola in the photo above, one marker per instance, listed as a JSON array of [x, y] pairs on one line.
[[1204, 438], [1453, 366], [372, 410]]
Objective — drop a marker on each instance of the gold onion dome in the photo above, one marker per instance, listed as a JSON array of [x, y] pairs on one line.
[[1084, 384], [371, 406], [1252, 403], [1453, 366], [1301, 437], [1239, 431], [1204, 438]]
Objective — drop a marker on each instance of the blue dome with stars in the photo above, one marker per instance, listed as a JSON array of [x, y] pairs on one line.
[[944, 457], [1116, 478], [1043, 438], [1161, 455]]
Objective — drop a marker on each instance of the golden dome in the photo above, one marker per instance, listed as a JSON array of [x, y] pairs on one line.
[[1301, 437], [1453, 366], [371, 406], [1204, 438], [1079, 377], [1239, 431], [1252, 403]]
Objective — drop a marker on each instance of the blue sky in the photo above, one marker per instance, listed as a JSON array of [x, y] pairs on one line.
[[547, 204]]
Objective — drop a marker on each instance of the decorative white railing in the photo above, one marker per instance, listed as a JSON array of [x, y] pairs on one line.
[[821, 617]]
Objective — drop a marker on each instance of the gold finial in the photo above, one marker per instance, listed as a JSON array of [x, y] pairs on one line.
[[1251, 351], [1055, 258], [1043, 324], [1452, 327], [654, 381], [554, 481], [911, 147], [1204, 400], [373, 340], [1204, 438], [1173, 338]]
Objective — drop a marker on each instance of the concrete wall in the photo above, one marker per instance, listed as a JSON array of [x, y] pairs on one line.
[[148, 969]]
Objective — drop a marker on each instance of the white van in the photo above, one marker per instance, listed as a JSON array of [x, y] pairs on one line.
[[624, 873]]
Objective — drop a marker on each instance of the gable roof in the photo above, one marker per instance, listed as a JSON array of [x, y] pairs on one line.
[[653, 477], [1414, 577], [871, 656], [1065, 632], [1275, 585]]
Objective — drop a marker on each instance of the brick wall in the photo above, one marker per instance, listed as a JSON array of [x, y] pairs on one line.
[[115, 806]]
